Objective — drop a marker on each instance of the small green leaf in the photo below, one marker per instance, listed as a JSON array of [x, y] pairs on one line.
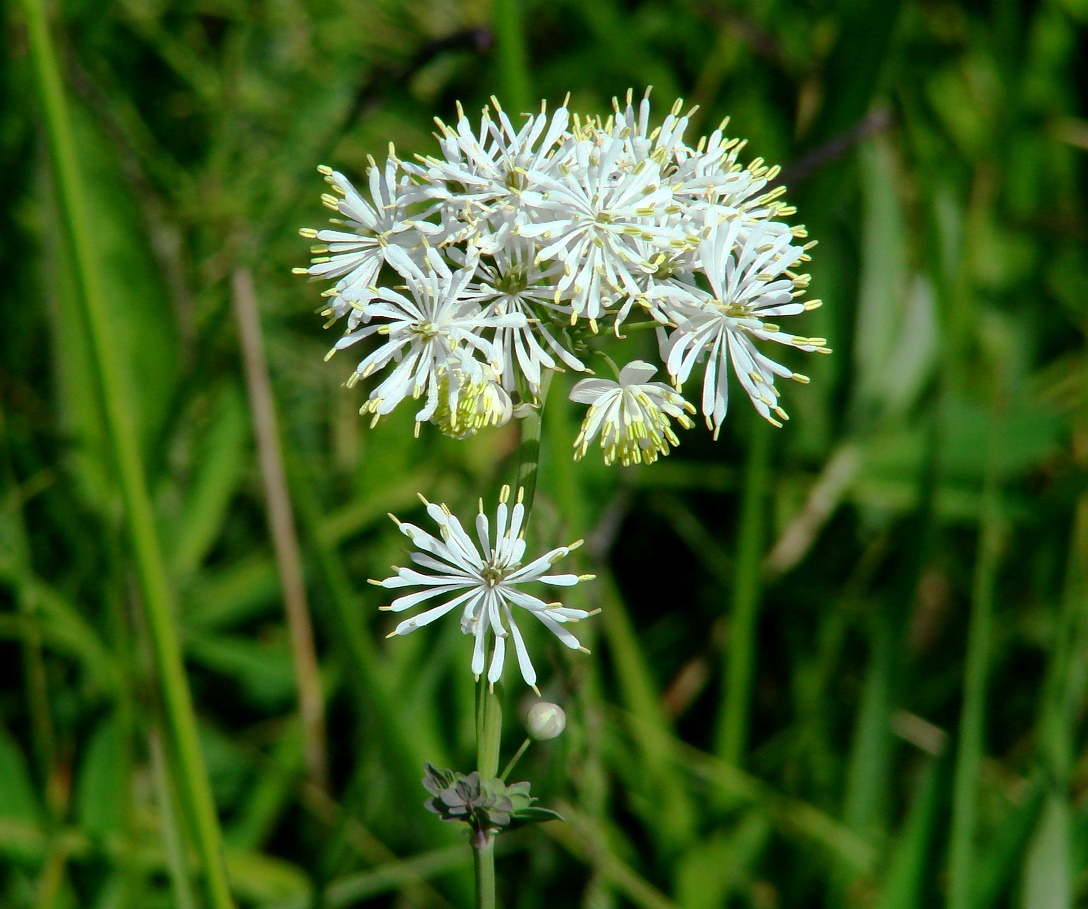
[[17, 798], [100, 787], [534, 815]]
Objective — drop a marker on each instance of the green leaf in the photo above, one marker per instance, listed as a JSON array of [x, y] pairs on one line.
[[218, 465], [17, 793], [262, 878], [21, 815], [263, 668], [1048, 882], [534, 815], [709, 870], [101, 788], [895, 339]]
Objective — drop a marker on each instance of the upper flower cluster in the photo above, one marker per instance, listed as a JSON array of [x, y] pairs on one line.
[[474, 273]]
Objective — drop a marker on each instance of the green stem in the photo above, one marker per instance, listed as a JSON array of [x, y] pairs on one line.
[[517, 757], [483, 849], [146, 551], [488, 727], [488, 740], [176, 865], [970, 746], [529, 449], [513, 54], [741, 651]]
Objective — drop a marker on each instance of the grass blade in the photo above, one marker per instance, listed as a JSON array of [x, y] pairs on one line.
[[143, 537]]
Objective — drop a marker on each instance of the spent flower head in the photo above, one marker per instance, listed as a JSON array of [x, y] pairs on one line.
[[486, 805], [632, 415]]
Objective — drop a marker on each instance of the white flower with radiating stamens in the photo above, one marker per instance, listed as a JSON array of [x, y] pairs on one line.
[[483, 576], [710, 179], [511, 282], [751, 281], [428, 334], [354, 256], [664, 143], [586, 216], [631, 415], [483, 172]]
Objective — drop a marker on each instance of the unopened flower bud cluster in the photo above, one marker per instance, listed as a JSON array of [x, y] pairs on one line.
[[473, 274]]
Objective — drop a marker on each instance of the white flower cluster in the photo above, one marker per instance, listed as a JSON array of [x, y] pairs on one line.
[[471, 274]]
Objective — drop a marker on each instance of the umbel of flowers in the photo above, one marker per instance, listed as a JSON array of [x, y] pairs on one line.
[[469, 276]]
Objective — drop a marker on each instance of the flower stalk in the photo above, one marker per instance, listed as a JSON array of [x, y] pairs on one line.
[[529, 447], [488, 744]]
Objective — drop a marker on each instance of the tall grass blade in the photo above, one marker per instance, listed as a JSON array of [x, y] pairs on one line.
[[970, 741], [121, 431]]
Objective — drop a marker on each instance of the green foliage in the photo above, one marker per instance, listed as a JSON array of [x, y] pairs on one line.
[[844, 668]]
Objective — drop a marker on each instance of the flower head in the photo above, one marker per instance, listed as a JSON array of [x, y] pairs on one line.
[[484, 578], [751, 282], [523, 236], [631, 415]]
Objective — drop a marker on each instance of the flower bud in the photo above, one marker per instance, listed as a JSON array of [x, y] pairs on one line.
[[545, 721]]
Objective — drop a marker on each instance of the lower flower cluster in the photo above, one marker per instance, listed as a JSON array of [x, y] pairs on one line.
[[484, 578]]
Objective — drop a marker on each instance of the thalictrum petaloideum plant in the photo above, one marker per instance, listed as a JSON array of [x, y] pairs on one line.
[[471, 276]]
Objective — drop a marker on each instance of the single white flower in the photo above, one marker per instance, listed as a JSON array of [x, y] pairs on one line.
[[663, 143], [586, 217], [631, 415], [428, 335], [484, 578], [480, 176], [512, 282], [354, 256], [751, 281], [710, 184]]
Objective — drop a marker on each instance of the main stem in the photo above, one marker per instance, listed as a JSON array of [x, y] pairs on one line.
[[529, 449], [489, 697], [483, 848], [488, 739]]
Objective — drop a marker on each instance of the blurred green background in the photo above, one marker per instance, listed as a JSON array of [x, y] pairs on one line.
[[843, 664]]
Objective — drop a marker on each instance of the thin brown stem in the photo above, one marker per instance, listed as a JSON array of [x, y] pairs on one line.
[[282, 527]]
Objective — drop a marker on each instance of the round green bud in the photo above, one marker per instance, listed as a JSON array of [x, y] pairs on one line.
[[545, 721]]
